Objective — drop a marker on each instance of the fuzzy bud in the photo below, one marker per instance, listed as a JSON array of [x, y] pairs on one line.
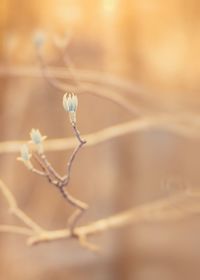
[[70, 104], [25, 156], [37, 139]]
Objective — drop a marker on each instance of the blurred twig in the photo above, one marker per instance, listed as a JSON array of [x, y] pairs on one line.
[[82, 87], [14, 209], [105, 91], [178, 206], [170, 208], [184, 125], [82, 75]]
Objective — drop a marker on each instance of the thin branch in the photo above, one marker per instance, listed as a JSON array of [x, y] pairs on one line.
[[15, 230], [73, 219], [88, 245], [51, 81], [48, 170], [81, 207], [173, 124], [26, 219], [61, 182], [82, 75], [169, 209], [63, 51], [74, 154], [16, 211], [73, 201], [172, 208], [87, 88], [38, 172], [9, 197], [49, 167]]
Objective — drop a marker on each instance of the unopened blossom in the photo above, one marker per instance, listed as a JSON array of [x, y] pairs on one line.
[[37, 139], [70, 104], [25, 156]]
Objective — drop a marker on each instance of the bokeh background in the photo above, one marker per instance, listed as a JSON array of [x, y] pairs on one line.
[[153, 44]]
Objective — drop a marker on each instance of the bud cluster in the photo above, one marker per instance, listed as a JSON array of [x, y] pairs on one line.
[[36, 139]]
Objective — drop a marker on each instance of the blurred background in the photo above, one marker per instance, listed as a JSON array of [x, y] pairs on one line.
[[153, 46]]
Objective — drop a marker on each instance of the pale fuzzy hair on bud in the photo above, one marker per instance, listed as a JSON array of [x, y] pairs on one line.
[[25, 156], [37, 139], [70, 104], [36, 136]]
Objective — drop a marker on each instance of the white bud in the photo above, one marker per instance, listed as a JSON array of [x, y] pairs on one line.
[[25, 156], [70, 104], [37, 139], [36, 136]]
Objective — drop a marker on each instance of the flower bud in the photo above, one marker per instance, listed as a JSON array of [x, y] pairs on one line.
[[25, 156], [37, 139], [70, 104]]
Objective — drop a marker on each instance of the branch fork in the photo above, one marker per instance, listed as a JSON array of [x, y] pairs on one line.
[[70, 104]]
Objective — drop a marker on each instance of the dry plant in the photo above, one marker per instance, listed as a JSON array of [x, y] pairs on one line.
[[70, 104], [176, 206]]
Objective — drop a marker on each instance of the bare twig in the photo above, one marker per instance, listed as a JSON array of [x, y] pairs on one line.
[[14, 209], [16, 230], [49, 167], [38, 172], [83, 87], [54, 178], [51, 81], [93, 76], [72, 158], [180, 125], [65, 181], [88, 245], [172, 208], [176, 207]]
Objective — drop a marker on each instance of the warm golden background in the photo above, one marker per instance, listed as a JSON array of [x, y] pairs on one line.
[[155, 44]]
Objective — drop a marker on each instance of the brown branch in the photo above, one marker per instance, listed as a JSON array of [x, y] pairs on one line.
[[169, 209], [47, 165], [48, 171], [74, 154], [81, 207], [176, 207], [62, 182]]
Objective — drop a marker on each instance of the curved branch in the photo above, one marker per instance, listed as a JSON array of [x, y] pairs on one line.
[[82, 75], [14, 209], [172, 208], [16, 230], [170, 123], [86, 88]]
